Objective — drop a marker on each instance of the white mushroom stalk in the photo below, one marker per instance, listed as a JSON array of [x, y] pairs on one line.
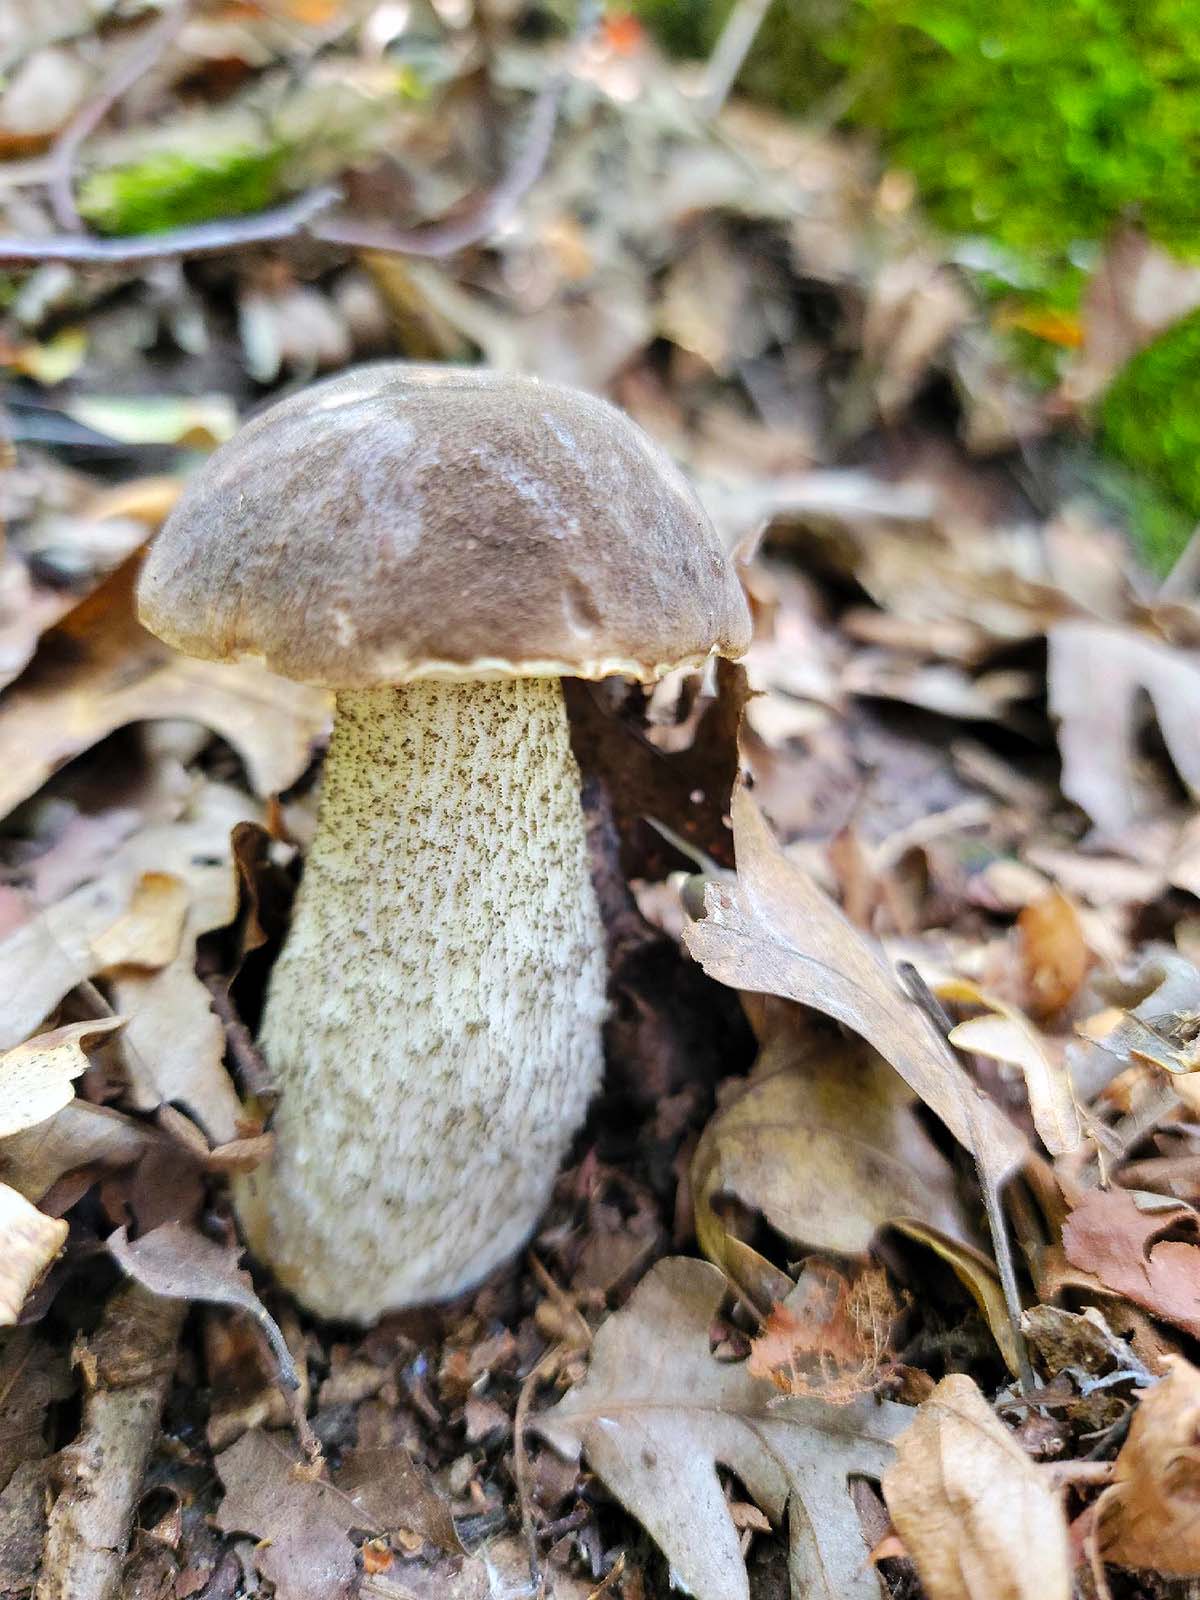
[[434, 1020]]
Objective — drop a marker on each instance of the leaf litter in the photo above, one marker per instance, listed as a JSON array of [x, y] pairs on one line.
[[961, 748]]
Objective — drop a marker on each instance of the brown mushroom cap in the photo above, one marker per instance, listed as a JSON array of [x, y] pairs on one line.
[[401, 522]]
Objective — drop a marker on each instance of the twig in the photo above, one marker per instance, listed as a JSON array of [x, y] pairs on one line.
[[1183, 579], [481, 214], [251, 1063], [730, 52], [298, 219], [144, 54], [921, 993], [521, 1464], [127, 1371], [288, 221]]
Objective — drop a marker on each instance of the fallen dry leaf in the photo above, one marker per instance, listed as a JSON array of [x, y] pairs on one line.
[[149, 933], [976, 1515], [978, 1275], [36, 1077], [173, 1043], [80, 1135], [1150, 1515], [178, 1262], [824, 1142], [1005, 1035], [828, 1338], [301, 1525], [29, 1242], [657, 1413], [1140, 1254], [1096, 674], [916, 304], [775, 932], [395, 1492], [1054, 952], [98, 670]]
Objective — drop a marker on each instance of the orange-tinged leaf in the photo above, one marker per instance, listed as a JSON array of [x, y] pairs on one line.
[[1150, 1516], [1054, 952], [1151, 1257]]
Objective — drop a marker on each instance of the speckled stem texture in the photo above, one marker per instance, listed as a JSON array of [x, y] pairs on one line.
[[434, 1019]]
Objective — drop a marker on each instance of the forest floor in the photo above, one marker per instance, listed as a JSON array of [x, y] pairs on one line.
[[876, 1268]]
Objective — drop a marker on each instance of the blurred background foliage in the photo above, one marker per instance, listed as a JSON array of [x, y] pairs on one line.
[[1033, 133]]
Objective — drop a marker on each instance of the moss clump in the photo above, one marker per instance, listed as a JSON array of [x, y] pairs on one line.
[[1150, 420], [172, 188], [245, 156], [1064, 118], [1037, 126]]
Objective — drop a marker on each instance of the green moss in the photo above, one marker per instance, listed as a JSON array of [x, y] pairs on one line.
[[1038, 127], [172, 188], [1065, 117], [1150, 420], [244, 156]]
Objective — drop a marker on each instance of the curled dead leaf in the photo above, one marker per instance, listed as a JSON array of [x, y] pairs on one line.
[[29, 1242], [1006, 1035], [36, 1077], [824, 1142], [149, 933], [1150, 1515], [776, 932], [978, 1518]]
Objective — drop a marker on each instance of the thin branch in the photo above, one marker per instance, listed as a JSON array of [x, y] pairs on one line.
[[299, 218], [147, 50], [288, 221], [920, 992], [729, 54]]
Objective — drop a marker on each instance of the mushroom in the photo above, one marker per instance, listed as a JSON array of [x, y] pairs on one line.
[[440, 546]]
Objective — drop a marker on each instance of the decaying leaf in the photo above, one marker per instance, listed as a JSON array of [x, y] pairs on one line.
[[1150, 1515], [1005, 1035], [149, 933], [657, 1414], [828, 1338], [98, 670], [173, 1043], [395, 1493], [1054, 952], [301, 1524], [978, 1275], [29, 1242], [1096, 673], [36, 1077], [1151, 1257], [178, 1262], [80, 1135], [978, 1518], [824, 1142], [775, 932]]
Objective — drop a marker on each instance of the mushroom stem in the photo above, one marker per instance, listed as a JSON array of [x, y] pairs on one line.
[[434, 1019]]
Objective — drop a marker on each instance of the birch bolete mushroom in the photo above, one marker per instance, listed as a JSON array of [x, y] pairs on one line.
[[440, 546]]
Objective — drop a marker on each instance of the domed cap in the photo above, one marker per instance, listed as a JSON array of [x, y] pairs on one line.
[[402, 521]]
